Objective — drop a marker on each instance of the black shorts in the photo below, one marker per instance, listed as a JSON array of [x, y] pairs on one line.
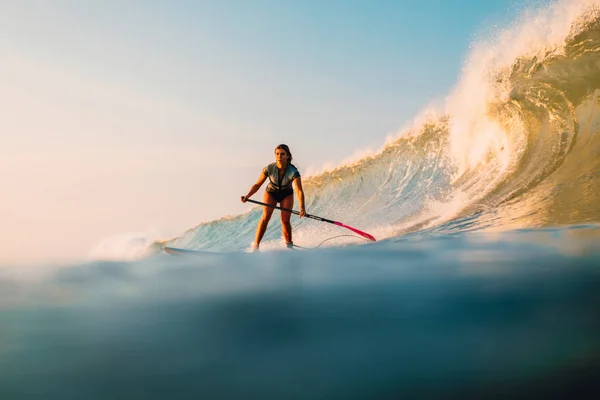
[[281, 194]]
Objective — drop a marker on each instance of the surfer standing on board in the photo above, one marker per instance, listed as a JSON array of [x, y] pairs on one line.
[[282, 173]]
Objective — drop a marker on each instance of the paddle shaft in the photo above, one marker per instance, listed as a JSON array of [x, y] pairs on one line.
[[291, 211], [358, 231]]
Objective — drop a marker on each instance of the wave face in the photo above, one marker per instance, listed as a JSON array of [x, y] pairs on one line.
[[518, 145]]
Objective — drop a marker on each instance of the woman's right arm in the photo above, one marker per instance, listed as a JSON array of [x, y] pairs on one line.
[[254, 188]]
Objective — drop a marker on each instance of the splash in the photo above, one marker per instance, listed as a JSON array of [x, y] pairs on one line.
[[127, 246]]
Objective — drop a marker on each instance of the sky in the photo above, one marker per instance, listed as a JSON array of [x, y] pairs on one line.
[[150, 117]]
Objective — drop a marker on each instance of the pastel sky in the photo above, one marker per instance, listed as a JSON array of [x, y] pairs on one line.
[[149, 117]]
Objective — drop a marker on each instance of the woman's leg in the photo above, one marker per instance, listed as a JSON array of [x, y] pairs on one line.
[[264, 221], [286, 226]]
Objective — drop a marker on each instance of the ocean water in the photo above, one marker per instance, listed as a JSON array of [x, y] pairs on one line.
[[484, 281]]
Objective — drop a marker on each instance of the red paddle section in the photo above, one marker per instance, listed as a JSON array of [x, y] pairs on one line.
[[361, 233]]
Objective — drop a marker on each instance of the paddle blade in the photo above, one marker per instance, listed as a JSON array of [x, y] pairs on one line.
[[361, 233]]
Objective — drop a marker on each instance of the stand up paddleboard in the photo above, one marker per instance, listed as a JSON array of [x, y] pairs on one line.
[[174, 251], [180, 252]]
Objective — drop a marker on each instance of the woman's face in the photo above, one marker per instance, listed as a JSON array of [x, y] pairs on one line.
[[281, 156]]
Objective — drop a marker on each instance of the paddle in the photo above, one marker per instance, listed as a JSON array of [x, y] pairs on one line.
[[361, 233]]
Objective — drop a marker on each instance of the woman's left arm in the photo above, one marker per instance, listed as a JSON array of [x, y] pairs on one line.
[[298, 183]]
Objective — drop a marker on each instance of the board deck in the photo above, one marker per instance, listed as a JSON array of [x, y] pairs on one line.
[[183, 252]]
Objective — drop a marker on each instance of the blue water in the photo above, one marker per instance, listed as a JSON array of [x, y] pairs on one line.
[[469, 314], [484, 281]]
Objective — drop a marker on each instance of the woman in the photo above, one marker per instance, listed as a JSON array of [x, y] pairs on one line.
[[282, 173]]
